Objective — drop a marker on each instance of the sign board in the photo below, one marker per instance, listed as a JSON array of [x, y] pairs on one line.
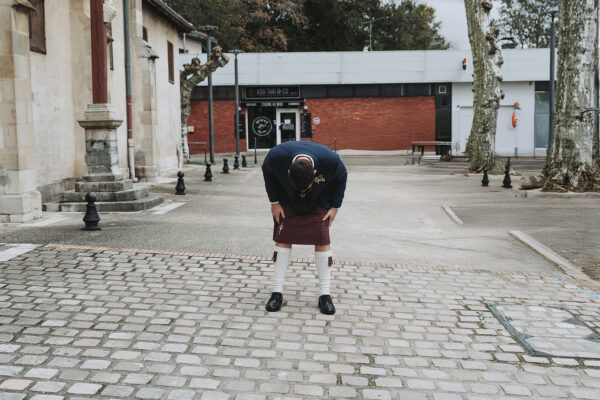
[[242, 126], [267, 92], [305, 126], [271, 103], [317, 120], [262, 126]]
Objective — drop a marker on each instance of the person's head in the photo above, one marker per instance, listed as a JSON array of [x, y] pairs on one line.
[[301, 174]]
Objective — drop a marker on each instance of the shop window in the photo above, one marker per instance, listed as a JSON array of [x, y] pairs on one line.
[[171, 62], [37, 27], [366, 91], [340, 91]]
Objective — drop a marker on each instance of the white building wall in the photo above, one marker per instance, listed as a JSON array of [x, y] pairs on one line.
[[167, 93], [509, 140]]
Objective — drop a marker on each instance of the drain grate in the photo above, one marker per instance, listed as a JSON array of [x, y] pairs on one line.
[[548, 331]]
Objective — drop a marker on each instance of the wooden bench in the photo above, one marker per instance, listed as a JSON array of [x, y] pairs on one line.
[[436, 143]]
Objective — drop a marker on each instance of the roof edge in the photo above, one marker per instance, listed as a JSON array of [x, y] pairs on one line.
[[170, 15]]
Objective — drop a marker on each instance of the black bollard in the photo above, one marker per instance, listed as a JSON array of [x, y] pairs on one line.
[[485, 181], [208, 173], [244, 162], [236, 162], [506, 182], [91, 217], [225, 166], [180, 188], [255, 160]]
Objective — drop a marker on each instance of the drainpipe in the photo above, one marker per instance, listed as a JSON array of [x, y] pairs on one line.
[[130, 153]]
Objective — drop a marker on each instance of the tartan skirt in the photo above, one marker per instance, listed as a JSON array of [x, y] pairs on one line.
[[302, 229]]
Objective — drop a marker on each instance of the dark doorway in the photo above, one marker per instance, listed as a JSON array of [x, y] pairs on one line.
[[443, 114]]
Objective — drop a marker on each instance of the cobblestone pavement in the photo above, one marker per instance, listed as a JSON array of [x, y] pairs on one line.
[[85, 323]]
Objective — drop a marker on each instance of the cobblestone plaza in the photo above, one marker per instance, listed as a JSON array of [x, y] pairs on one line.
[[96, 323]]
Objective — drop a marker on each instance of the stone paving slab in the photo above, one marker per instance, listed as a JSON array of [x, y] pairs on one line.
[[91, 323]]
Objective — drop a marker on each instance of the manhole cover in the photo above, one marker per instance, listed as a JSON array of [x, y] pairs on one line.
[[548, 331]]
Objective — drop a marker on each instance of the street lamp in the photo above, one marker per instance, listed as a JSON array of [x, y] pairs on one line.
[[553, 14], [208, 29], [370, 22], [237, 105]]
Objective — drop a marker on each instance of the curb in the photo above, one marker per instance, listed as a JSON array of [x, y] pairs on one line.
[[549, 255], [538, 194]]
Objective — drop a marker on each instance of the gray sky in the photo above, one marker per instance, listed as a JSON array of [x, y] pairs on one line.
[[451, 13]]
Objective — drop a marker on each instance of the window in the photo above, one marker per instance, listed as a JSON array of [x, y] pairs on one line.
[[171, 65], [110, 40], [144, 34], [37, 27]]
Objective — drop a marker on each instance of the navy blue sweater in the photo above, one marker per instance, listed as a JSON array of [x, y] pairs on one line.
[[330, 179]]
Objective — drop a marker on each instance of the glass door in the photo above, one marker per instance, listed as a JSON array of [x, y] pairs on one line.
[[288, 128]]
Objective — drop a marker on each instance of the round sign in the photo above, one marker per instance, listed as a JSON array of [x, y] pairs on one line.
[[316, 120], [262, 126]]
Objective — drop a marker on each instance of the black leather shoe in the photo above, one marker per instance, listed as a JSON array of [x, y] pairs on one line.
[[274, 303], [326, 305]]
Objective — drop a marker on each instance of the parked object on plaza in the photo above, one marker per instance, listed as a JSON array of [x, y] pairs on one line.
[[225, 166], [506, 183], [244, 162], [208, 174], [91, 217], [486, 180], [180, 188], [236, 163]]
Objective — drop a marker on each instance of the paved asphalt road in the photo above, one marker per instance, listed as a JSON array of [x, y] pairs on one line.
[[392, 214]]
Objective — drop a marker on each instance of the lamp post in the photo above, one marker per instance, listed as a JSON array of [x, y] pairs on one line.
[[211, 139], [237, 104], [553, 14], [370, 22]]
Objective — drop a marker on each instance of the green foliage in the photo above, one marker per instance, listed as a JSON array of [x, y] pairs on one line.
[[527, 21], [315, 25]]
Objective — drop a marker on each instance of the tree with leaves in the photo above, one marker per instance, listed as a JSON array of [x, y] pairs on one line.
[[487, 61], [189, 77], [573, 163], [526, 21]]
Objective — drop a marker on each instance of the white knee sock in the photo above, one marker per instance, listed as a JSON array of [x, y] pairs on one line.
[[322, 259], [282, 260]]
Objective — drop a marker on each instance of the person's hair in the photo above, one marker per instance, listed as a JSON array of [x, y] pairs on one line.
[[302, 174]]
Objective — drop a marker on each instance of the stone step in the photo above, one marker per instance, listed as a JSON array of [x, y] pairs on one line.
[[72, 196], [103, 177], [116, 206], [117, 186]]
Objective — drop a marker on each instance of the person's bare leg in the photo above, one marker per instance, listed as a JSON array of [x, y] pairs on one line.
[[323, 261], [281, 258]]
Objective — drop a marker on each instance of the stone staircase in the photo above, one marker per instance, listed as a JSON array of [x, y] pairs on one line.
[[118, 195]]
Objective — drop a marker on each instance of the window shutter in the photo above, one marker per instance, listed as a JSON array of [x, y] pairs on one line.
[[37, 28]]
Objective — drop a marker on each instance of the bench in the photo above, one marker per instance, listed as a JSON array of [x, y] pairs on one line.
[[436, 143]]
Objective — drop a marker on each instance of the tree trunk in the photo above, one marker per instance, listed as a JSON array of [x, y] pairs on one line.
[[487, 60], [191, 75], [572, 162]]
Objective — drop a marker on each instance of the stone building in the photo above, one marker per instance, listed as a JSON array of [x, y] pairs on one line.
[[46, 85]]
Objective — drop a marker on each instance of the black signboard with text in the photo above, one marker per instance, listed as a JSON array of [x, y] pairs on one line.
[[242, 126], [279, 92], [305, 126]]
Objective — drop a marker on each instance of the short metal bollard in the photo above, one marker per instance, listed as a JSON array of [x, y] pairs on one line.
[[208, 174], [91, 217], [486, 180], [506, 183], [225, 166], [236, 162], [244, 162], [180, 188]]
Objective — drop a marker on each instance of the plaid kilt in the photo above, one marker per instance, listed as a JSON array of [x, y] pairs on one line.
[[302, 229]]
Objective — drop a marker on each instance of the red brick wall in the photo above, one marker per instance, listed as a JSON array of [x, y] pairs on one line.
[[366, 123], [223, 126], [373, 123]]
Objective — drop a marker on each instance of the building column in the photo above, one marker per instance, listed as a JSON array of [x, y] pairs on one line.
[[19, 199]]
